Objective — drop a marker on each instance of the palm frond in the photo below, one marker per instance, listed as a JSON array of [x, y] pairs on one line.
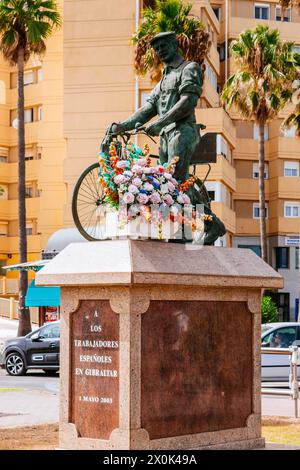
[[169, 15], [26, 24], [266, 70]]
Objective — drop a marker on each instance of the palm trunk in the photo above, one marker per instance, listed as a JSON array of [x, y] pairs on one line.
[[262, 196], [24, 314]]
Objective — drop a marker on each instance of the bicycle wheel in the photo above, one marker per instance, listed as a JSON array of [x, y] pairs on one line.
[[87, 205]]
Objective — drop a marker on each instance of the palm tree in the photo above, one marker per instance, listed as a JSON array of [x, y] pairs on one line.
[[169, 15], [259, 89], [24, 27], [287, 4]]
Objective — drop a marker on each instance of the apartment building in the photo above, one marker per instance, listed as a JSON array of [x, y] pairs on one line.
[[45, 153], [87, 81], [282, 158]]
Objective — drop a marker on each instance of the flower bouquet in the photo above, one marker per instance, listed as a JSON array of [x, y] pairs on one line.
[[144, 196]]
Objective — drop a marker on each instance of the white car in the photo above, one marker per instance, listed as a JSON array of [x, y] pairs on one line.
[[278, 336]]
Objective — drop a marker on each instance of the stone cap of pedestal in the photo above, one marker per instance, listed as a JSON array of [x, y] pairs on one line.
[[134, 262]]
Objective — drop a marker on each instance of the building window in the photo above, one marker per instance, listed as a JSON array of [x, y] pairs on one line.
[[256, 132], [287, 14], [255, 173], [255, 248], [144, 95], [297, 257], [40, 75], [211, 75], [291, 169], [212, 195], [292, 210], [217, 12], [282, 257], [28, 115], [256, 211], [221, 51], [28, 77], [3, 158], [289, 132], [261, 11], [28, 191], [40, 113], [29, 229]]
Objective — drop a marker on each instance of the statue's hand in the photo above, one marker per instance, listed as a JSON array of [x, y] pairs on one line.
[[117, 128], [153, 129]]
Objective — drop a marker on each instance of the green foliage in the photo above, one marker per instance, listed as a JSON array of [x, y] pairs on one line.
[[266, 70], [269, 312], [169, 15], [26, 24]]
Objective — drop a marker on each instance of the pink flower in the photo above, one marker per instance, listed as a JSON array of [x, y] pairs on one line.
[[174, 181], [186, 199], [122, 164], [133, 189], [143, 198], [137, 182], [141, 162], [138, 170], [128, 198], [171, 187], [119, 179], [168, 199], [164, 188], [148, 187], [180, 199], [155, 198], [167, 176]]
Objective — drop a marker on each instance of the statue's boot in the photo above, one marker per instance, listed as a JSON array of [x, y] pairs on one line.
[[213, 229]]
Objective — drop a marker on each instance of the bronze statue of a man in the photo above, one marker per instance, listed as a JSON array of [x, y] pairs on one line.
[[174, 99]]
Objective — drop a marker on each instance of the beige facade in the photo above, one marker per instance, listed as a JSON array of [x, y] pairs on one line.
[[45, 154], [86, 81]]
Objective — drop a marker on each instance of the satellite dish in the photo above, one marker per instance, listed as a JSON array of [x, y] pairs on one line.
[[15, 123]]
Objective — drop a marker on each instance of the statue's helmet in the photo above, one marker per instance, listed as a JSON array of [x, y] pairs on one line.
[[168, 36]]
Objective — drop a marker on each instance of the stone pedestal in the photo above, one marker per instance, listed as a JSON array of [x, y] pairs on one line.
[[160, 345]]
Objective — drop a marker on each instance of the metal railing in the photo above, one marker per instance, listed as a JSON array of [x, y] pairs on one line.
[[293, 392]]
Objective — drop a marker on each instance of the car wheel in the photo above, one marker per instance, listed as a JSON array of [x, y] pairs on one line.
[[15, 364], [51, 372]]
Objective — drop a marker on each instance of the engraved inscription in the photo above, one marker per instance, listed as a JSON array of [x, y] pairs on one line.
[[95, 369]]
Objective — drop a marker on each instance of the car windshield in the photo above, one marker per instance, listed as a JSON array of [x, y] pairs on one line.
[[266, 327]]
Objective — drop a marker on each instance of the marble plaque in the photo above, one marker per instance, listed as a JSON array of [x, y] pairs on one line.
[[94, 394], [196, 371]]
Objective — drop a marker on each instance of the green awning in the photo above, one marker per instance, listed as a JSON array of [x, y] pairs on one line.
[[42, 296]]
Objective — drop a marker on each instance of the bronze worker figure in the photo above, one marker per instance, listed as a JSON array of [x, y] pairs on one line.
[[174, 99]]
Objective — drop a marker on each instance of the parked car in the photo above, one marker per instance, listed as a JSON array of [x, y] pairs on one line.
[[37, 350], [281, 336]]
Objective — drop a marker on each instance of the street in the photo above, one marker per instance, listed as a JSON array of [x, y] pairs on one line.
[[33, 398]]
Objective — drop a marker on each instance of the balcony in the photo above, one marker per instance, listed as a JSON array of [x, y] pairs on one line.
[[217, 120], [285, 188], [285, 147], [210, 94], [32, 132], [247, 189], [33, 94], [247, 149], [226, 215], [9, 171], [288, 31], [284, 226], [222, 170], [9, 208], [34, 244], [214, 59]]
